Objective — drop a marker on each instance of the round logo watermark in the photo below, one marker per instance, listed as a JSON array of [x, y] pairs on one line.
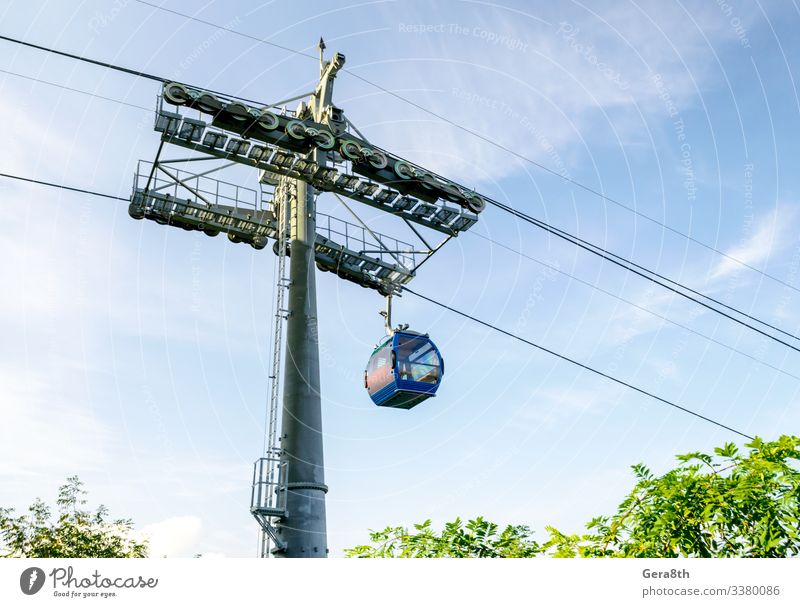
[[31, 580]]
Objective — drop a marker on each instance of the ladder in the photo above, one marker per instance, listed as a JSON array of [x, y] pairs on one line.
[[268, 499]]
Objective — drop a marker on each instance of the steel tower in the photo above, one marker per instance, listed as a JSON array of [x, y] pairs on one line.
[[299, 154]]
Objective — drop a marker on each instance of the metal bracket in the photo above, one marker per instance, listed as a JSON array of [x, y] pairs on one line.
[[272, 532], [387, 315], [387, 318]]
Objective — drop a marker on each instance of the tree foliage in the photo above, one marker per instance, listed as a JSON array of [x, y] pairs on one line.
[[478, 538], [721, 505], [75, 533]]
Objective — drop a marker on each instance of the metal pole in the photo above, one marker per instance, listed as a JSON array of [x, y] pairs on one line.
[[303, 529]]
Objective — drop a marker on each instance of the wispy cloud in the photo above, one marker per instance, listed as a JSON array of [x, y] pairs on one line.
[[552, 81], [768, 238], [549, 406]]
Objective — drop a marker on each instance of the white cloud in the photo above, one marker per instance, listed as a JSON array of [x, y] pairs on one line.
[[174, 537], [626, 322], [572, 73], [656, 304], [755, 249]]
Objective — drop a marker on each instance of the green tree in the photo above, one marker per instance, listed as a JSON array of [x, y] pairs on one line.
[[478, 538], [721, 505], [75, 533]]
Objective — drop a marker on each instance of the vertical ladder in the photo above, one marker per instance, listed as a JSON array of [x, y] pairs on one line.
[[269, 477]]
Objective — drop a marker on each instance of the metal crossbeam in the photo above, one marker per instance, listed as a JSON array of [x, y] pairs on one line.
[[304, 133], [273, 160]]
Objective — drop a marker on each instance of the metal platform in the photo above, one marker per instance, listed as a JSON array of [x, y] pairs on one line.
[[268, 495], [195, 201]]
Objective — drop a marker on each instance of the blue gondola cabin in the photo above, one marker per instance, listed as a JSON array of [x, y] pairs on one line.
[[405, 369]]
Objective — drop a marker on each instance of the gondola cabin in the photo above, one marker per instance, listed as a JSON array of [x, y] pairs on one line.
[[405, 369]]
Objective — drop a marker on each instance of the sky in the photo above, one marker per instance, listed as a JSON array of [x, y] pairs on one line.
[[137, 356]]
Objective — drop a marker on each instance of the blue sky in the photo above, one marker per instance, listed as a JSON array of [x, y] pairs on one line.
[[136, 356]]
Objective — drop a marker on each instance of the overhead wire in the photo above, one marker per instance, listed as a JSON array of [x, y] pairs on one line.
[[96, 62], [575, 362], [74, 90], [64, 187], [228, 29], [110, 66], [651, 275]]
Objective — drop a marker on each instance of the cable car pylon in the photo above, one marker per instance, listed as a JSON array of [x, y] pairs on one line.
[[302, 531], [299, 154]]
